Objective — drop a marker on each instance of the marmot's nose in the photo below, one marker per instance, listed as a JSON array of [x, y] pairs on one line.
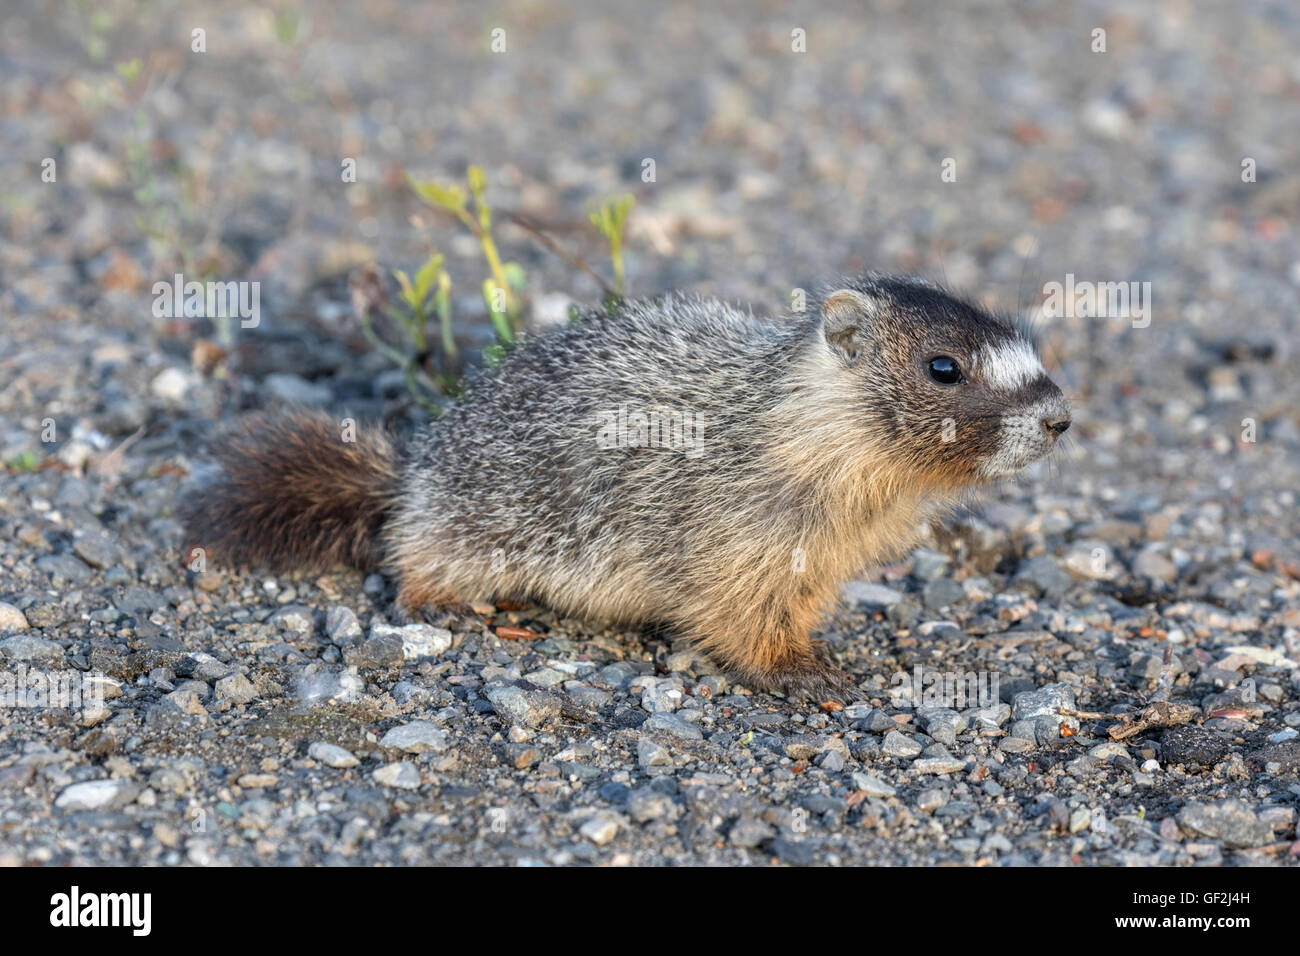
[[1056, 426]]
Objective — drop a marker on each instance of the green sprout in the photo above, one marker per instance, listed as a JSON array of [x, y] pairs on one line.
[[420, 298], [25, 462], [287, 24], [495, 297], [94, 31], [128, 70], [610, 220], [501, 291]]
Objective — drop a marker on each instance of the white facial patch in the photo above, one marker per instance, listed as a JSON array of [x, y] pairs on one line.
[[1009, 366]]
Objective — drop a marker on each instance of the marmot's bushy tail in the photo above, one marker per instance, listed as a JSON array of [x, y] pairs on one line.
[[295, 492]]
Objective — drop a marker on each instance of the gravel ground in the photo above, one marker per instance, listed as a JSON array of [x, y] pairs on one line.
[[249, 719]]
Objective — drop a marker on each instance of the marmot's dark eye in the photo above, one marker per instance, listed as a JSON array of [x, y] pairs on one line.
[[945, 370]]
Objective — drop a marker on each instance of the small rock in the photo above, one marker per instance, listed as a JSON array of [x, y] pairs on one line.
[[11, 619], [28, 647], [872, 786], [1107, 750], [97, 795], [186, 701], [662, 696], [879, 722], [546, 677], [295, 390], [794, 852], [97, 549], [235, 688], [522, 756], [1092, 560], [1151, 564], [529, 708], [139, 602], [403, 776], [207, 581], [939, 765], [342, 626], [871, 595], [647, 803], [748, 832], [1046, 702], [942, 724], [928, 565], [930, 800], [942, 592], [897, 744], [1146, 667], [171, 384], [1045, 575], [674, 725], [988, 718], [1230, 821], [294, 618], [650, 754], [417, 737], [332, 755], [16, 776], [599, 830], [384, 649], [255, 781], [418, 640]]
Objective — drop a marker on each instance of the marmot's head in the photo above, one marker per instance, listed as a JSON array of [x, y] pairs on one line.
[[947, 388]]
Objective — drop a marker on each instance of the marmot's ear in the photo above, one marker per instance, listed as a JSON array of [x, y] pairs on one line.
[[846, 317]]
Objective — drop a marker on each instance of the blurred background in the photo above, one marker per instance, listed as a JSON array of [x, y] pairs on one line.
[[790, 142]]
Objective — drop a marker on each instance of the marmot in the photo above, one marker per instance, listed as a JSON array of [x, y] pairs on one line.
[[677, 463]]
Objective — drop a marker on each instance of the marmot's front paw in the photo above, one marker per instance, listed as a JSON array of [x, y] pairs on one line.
[[817, 677]]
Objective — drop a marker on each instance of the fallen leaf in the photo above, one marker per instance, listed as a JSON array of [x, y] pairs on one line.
[[517, 634]]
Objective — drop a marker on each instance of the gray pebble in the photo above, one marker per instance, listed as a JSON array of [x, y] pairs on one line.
[[97, 795], [673, 725], [650, 754], [236, 688], [29, 647], [1230, 821], [342, 626], [417, 737], [332, 755], [873, 786], [402, 775], [897, 744], [527, 708], [11, 619]]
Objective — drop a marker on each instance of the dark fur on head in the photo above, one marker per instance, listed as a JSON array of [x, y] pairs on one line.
[[887, 329], [293, 494]]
